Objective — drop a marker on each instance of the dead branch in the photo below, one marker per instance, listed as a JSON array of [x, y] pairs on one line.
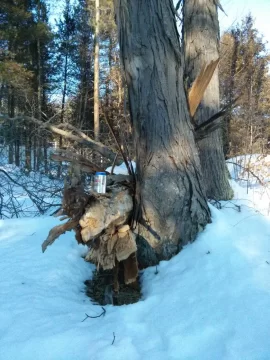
[[89, 167], [33, 197], [77, 131], [57, 231], [85, 164], [113, 164], [119, 146], [210, 125], [247, 170], [96, 146]]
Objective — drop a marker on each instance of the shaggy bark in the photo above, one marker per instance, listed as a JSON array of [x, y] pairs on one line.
[[201, 41], [170, 200]]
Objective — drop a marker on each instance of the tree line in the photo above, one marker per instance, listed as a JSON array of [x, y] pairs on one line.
[[48, 71]]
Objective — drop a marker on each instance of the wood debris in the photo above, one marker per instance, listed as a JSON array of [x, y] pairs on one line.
[[101, 222]]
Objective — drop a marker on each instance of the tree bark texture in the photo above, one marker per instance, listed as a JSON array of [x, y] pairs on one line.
[[171, 202], [11, 112], [201, 46], [96, 73]]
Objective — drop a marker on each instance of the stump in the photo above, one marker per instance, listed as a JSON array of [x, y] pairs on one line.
[[101, 221]]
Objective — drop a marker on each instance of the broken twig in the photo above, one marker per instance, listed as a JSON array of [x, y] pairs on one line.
[[94, 317], [113, 338]]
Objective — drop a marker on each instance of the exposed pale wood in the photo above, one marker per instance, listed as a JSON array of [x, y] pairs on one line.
[[116, 245], [104, 212], [131, 269], [196, 92]]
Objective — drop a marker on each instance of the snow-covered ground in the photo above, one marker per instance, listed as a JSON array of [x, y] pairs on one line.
[[252, 186], [210, 302], [25, 194]]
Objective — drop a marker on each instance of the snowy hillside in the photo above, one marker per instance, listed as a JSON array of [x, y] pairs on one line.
[[210, 302]]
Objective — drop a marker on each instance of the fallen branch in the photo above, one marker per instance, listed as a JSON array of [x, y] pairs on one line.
[[86, 141], [119, 146], [57, 231], [85, 164], [77, 131]]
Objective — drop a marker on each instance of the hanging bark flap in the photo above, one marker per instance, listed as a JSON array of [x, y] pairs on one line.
[[126, 245], [130, 269], [100, 256], [112, 247], [56, 231], [199, 86]]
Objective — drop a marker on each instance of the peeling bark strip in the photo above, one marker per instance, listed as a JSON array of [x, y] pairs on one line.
[[196, 92], [201, 41], [169, 196]]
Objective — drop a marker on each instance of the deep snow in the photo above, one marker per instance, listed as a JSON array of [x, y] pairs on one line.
[[210, 302]]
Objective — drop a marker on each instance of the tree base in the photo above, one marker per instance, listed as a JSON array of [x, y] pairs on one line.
[[100, 289]]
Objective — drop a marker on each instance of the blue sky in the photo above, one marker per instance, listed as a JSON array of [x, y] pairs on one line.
[[237, 9]]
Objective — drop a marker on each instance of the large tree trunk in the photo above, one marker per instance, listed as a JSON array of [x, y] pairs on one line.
[[170, 199], [11, 113], [96, 73], [201, 46], [59, 169], [39, 95]]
